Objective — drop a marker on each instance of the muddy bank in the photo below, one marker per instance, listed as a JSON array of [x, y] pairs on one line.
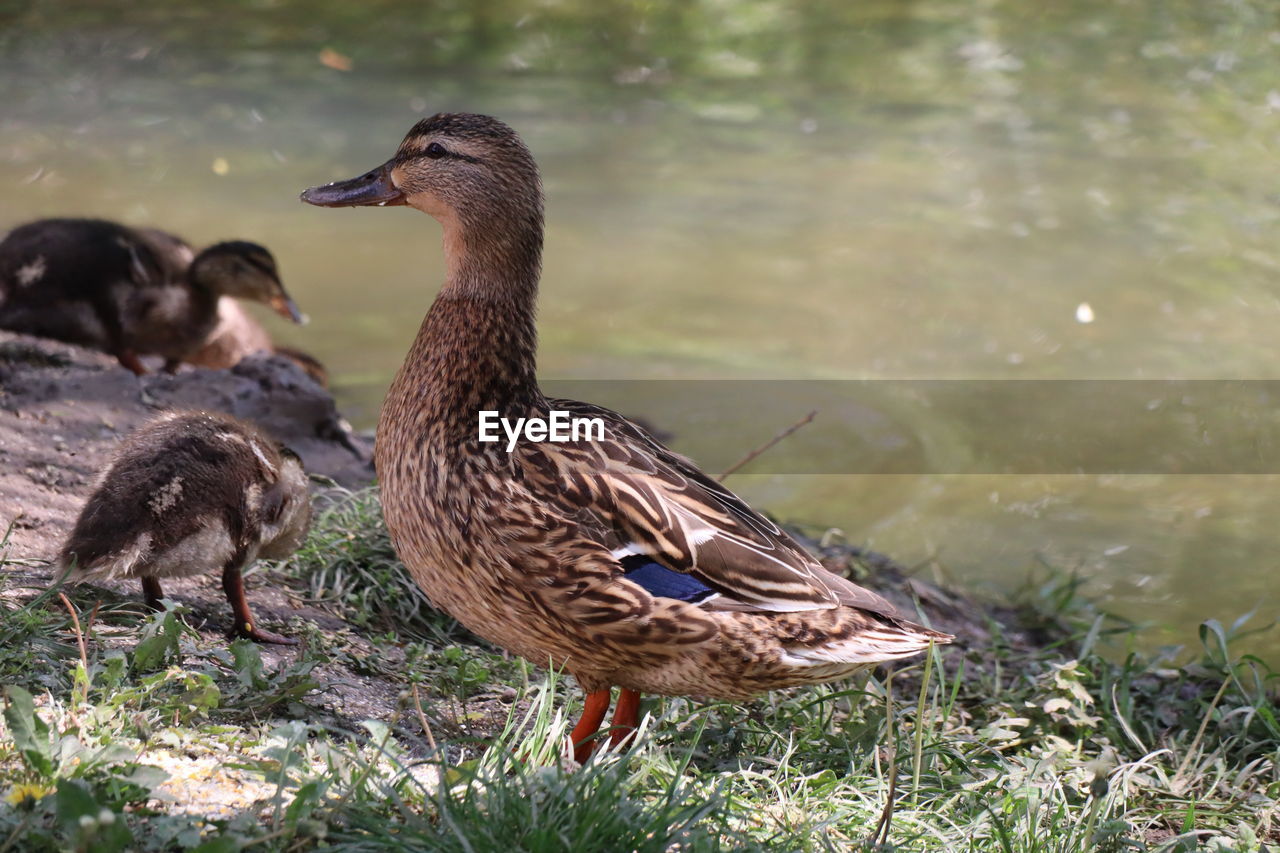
[[63, 410]]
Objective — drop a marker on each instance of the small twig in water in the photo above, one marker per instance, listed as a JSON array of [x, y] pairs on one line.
[[767, 445]]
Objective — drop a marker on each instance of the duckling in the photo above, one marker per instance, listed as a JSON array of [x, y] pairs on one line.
[[189, 493], [127, 291], [607, 555], [238, 335]]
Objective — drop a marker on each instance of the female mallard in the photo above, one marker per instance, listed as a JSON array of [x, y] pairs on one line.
[[191, 493], [127, 291], [615, 559]]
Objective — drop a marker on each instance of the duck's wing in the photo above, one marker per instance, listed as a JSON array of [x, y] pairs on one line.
[[654, 506]]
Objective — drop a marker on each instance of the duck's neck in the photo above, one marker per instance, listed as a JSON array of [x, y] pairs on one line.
[[477, 347]]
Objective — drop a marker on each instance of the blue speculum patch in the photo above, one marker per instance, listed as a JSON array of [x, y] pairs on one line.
[[664, 582]]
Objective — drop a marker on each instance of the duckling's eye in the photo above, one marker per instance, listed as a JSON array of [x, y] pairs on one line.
[[435, 151]]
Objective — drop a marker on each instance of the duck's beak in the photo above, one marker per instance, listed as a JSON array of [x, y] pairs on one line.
[[370, 189], [287, 308]]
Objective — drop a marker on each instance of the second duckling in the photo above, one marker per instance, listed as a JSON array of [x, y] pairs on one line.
[[238, 335], [127, 291], [190, 493]]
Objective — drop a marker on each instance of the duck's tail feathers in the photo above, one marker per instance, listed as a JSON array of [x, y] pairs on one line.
[[872, 644]]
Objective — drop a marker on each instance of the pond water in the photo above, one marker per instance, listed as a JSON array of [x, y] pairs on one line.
[[758, 189]]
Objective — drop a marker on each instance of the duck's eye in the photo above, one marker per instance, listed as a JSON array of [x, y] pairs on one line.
[[435, 151]]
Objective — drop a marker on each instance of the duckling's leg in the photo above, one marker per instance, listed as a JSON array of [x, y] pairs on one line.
[[593, 711], [233, 586], [626, 717], [128, 358], [153, 593]]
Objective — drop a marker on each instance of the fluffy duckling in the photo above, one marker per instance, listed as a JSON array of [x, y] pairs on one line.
[[607, 555], [188, 493], [127, 291], [238, 335]]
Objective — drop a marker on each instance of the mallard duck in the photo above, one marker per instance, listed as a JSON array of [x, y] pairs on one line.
[[190, 493], [238, 335], [127, 291], [614, 558]]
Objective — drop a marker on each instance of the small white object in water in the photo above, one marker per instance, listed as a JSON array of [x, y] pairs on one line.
[[221, 166], [1084, 313]]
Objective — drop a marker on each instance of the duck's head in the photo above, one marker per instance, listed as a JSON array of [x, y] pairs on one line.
[[292, 473], [285, 506], [246, 271], [463, 169]]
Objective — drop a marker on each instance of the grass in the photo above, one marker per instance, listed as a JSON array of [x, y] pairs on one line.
[[1075, 743], [348, 563]]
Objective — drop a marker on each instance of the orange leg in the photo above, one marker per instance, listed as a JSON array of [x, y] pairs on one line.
[[593, 711], [151, 589], [233, 586], [626, 717], [129, 359]]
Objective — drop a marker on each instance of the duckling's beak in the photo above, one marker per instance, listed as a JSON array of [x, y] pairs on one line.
[[287, 308], [370, 189]]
